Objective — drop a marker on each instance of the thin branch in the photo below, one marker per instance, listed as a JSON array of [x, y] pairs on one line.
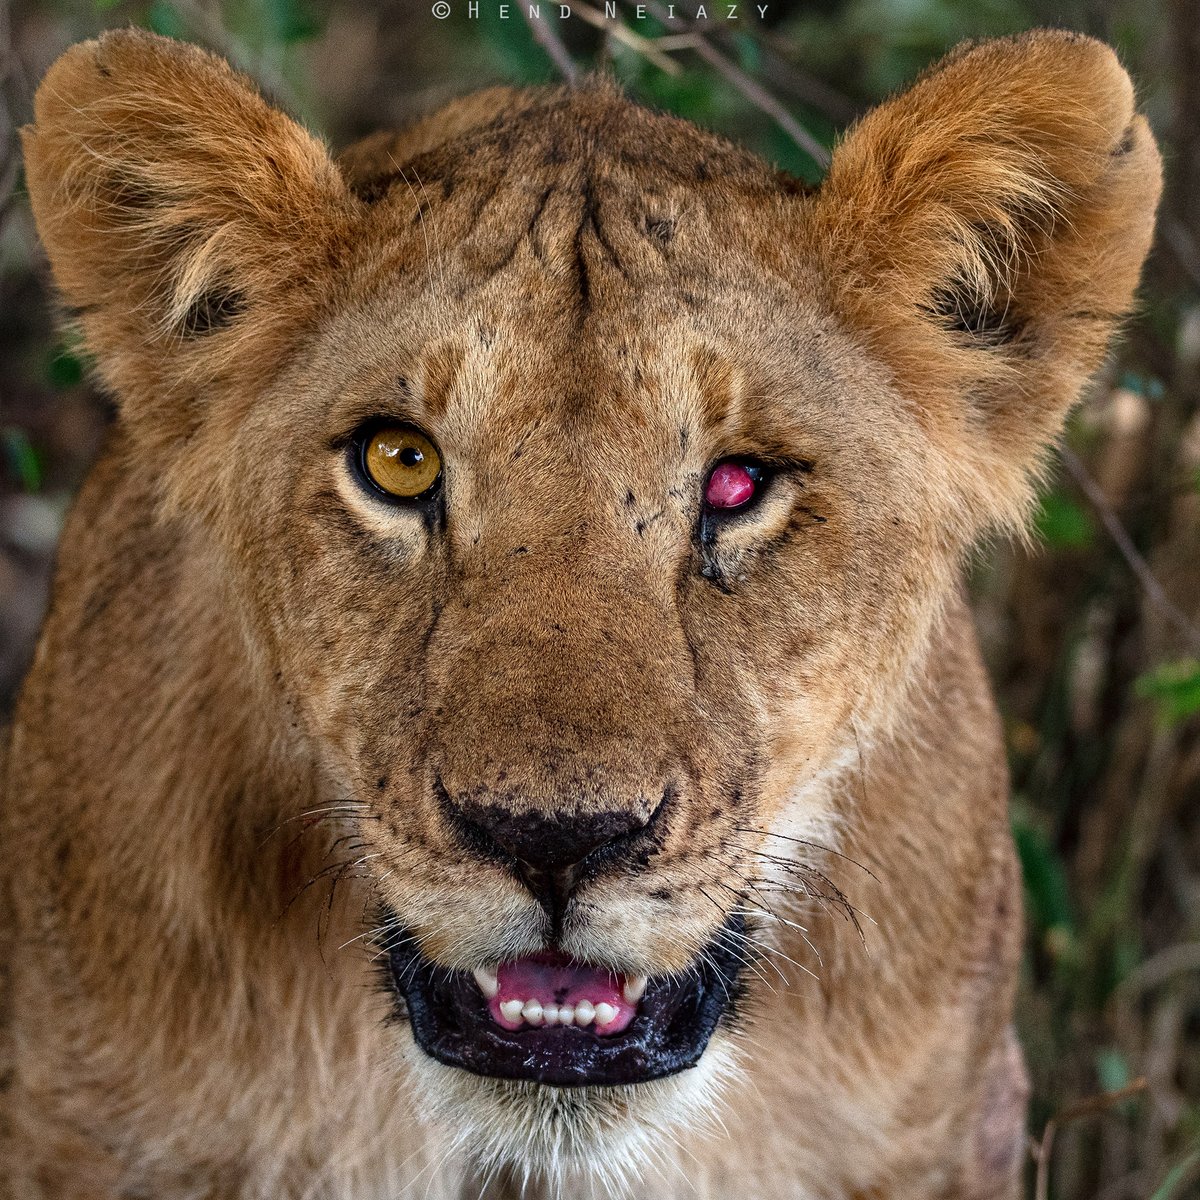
[[553, 46], [1158, 969], [1124, 543], [651, 49], [1091, 1107], [1183, 246], [837, 106], [753, 91]]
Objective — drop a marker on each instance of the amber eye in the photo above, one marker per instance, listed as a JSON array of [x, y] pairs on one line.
[[401, 461]]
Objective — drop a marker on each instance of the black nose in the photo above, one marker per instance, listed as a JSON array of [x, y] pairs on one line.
[[550, 842]]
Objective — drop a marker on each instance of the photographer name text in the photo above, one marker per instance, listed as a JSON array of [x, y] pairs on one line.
[[539, 11]]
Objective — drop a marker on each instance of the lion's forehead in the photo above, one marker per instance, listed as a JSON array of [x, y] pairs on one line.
[[548, 137], [575, 255], [578, 202]]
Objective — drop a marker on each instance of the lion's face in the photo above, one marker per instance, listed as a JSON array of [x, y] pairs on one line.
[[579, 701], [707, 449], [572, 691]]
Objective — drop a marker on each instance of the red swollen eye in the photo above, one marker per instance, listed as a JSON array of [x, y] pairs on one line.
[[731, 485]]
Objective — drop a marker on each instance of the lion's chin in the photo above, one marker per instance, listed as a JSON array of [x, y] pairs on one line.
[[575, 1141]]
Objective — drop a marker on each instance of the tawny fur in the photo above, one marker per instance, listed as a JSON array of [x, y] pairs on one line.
[[248, 659]]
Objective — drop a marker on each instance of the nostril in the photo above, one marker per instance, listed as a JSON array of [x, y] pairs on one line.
[[550, 841]]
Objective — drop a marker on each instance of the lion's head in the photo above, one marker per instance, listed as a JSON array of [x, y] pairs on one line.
[[589, 494]]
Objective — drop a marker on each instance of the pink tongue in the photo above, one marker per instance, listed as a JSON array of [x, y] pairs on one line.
[[552, 979]]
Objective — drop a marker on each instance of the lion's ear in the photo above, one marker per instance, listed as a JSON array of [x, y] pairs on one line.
[[176, 205], [985, 231]]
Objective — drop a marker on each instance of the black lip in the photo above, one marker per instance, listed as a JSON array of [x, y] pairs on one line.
[[676, 1018]]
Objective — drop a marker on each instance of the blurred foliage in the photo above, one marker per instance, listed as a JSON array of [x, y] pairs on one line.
[[1100, 691], [1061, 521], [1176, 687]]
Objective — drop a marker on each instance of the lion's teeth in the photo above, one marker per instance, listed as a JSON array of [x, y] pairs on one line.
[[635, 987], [584, 1013], [489, 985]]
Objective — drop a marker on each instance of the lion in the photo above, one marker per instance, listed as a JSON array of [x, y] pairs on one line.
[[508, 721]]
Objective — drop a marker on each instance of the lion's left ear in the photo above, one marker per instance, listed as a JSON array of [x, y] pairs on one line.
[[187, 221], [984, 231]]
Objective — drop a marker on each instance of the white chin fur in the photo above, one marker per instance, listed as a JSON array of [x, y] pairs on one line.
[[579, 1143]]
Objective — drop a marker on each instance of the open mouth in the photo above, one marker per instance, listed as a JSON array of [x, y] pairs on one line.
[[549, 1019]]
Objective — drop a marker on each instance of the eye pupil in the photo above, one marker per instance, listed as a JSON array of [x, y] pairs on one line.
[[400, 461], [731, 485]]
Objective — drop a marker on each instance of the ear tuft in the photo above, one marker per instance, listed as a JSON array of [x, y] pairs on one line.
[[213, 310]]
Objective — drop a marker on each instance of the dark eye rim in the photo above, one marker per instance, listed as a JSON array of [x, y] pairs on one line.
[[356, 459], [760, 472], [768, 470]]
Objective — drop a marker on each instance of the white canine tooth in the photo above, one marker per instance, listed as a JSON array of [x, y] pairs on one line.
[[489, 985], [550, 1014], [532, 1012], [511, 1009], [566, 1015], [585, 1014], [635, 987], [605, 1013]]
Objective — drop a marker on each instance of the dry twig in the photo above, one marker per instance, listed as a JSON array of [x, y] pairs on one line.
[[1043, 1147], [553, 46], [786, 75], [750, 88], [651, 49], [1124, 543]]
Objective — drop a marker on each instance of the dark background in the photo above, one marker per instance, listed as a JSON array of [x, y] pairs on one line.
[[1092, 631]]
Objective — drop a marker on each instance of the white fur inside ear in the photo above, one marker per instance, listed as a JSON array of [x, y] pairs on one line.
[[577, 1143]]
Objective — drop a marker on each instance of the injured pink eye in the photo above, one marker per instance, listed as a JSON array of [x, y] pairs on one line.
[[731, 484]]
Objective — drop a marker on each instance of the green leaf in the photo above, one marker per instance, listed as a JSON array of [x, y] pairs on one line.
[[693, 94], [749, 53], [1063, 523], [511, 40], [1111, 1069], [162, 18], [1047, 892], [65, 369], [1166, 1189], [290, 21], [22, 457], [1175, 687], [783, 152]]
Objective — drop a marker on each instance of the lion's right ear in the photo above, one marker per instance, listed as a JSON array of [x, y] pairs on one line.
[[175, 204]]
